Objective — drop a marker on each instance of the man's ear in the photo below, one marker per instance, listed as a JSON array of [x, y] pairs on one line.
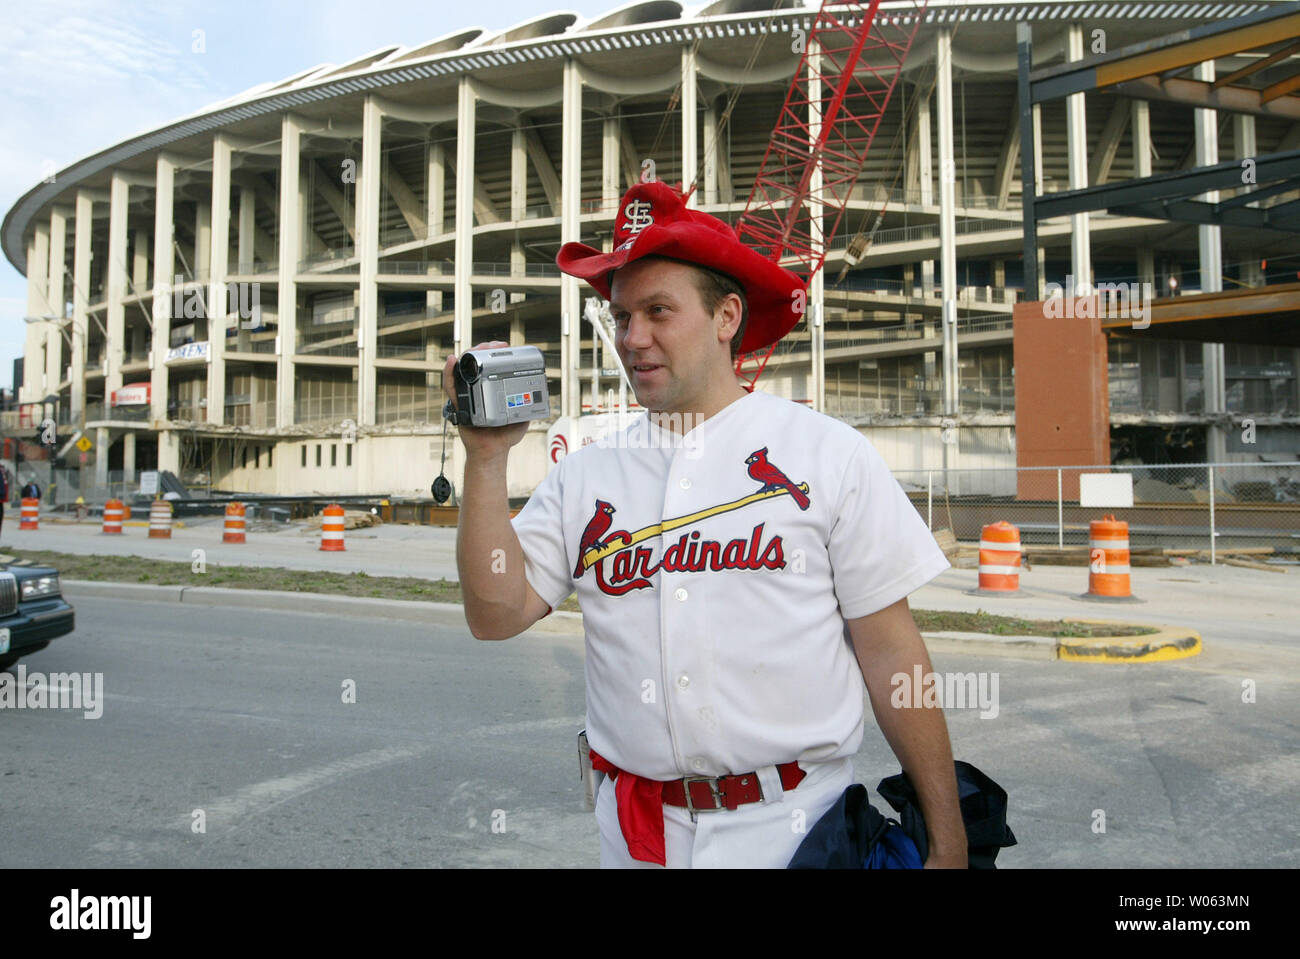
[[728, 317]]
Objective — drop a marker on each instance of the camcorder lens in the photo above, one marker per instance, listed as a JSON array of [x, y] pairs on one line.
[[469, 368]]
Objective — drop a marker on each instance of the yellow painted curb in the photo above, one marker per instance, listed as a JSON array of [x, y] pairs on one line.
[[1171, 642]]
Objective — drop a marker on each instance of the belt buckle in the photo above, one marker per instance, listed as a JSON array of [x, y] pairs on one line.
[[713, 789]]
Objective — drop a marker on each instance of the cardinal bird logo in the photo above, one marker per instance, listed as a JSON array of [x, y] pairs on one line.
[[596, 528], [772, 478]]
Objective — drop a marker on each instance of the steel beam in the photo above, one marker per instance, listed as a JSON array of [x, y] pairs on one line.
[[1024, 54], [1182, 49], [1164, 186], [1198, 211], [1197, 93]]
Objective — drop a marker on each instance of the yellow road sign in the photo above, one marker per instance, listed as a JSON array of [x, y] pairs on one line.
[[84, 444]]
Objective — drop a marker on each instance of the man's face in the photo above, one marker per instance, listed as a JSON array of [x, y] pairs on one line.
[[676, 353]]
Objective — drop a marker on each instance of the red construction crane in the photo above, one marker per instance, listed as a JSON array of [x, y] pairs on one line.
[[851, 62]]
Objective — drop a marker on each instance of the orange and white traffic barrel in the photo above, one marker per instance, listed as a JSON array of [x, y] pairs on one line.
[[160, 519], [1108, 560], [331, 528], [999, 559], [234, 524], [31, 513], [113, 516]]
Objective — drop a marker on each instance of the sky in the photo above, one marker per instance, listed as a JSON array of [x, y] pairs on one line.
[[82, 75]]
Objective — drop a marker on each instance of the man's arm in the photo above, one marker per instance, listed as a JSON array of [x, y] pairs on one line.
[[499, 603], [887, 643]]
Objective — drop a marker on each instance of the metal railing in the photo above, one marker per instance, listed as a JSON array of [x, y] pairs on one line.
[[255, 267], [1204, 506], [325, 409], [401, 351], [911, 290], [316, 348], [425, 407]]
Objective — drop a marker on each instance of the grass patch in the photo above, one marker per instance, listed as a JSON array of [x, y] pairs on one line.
[[135, 569], [936, 621]]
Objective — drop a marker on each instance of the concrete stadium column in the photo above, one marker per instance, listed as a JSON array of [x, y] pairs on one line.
[[164, 259], [926, 174], [1140, 123], [570, 229], [435, 206], [102, 439], [372, 129], [947, 226], [80, 302], [245, 255], [128, 456], [202, 238], [32, 387], [435, 188], [246, 250], [1077, 160], [115, 286], [518, 201], [289, 230], [816, 316], [609, 162], [712, 144], [140, 261], [219, 265], [54, 351], [518, 173], [690, 124], [1244, 146], [1205, 124], [463, 329], [1146, 269]]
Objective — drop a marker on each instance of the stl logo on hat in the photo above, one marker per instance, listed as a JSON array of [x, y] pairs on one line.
[[643, 206], [637, 216]]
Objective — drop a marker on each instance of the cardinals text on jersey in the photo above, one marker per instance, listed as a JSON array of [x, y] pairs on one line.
[[631, 566]]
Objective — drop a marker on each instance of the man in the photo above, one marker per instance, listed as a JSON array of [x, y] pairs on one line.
[[740, 561]]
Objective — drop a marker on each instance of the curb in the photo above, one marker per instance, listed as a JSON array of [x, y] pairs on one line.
[[1172, 642], [1021, 647]]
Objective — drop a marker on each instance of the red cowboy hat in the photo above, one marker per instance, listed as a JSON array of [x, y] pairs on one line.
[[653, 220]]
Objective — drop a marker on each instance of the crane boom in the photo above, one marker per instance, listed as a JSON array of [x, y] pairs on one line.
[[850, 64]]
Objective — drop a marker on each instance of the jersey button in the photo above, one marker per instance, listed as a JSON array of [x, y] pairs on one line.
[[683, 681], [680, 594], [685, 483], [697, 764]]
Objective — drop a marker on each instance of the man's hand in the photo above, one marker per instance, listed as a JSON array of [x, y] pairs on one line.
[[483, 443], [888, 643]]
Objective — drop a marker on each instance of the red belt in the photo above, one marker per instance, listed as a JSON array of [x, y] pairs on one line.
[[640, 801]]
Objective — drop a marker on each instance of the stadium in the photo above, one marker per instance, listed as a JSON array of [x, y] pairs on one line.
[[260, 297]]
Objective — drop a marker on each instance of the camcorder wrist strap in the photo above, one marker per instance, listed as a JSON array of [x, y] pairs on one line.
[[441, 488]]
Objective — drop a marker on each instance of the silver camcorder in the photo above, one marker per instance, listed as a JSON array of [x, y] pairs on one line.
[[499, 387]]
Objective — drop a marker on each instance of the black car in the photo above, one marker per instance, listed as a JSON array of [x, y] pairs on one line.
[[32, 610]]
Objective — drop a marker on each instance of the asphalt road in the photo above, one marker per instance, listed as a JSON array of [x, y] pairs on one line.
[[240, 713]]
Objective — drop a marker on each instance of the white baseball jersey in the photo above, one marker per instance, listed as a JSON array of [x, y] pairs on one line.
[[715, 575]]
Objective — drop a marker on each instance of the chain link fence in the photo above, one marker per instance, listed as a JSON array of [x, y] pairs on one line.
[[64, 486], [1205, 506]]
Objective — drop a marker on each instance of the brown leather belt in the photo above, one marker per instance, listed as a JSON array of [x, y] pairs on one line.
[[704, 794]]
